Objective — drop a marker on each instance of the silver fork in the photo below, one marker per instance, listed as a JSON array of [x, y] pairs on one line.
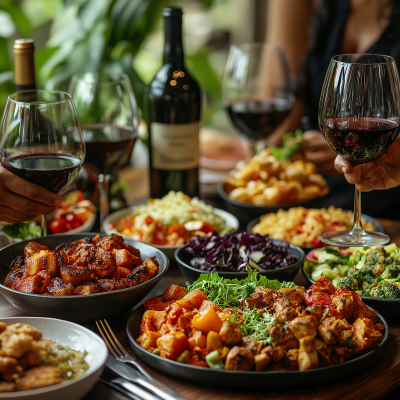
[[118, 351]]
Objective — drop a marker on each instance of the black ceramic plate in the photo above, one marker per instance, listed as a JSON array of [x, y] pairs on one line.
[[387, 307], [282, 274], [78, 308], [379, 227], [251, 379], [246, 211]]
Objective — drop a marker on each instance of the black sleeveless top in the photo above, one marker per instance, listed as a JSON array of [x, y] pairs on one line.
[[326, 31]]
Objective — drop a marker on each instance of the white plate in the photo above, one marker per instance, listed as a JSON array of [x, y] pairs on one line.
[[76, 337], [230, 220]]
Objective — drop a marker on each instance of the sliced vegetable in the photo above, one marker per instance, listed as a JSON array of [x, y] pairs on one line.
[[214, 361]]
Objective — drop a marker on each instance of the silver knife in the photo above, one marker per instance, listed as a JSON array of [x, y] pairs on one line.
[[133, 376], [120, 389]]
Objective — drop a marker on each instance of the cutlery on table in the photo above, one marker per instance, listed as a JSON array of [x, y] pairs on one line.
[[118, 388], [116, 362], [128, 389]]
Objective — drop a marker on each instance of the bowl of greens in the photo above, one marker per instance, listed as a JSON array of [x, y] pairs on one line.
[[13, 233], [373, 272]]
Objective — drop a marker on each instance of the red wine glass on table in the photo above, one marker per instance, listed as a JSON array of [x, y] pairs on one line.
[[256, 89], [108, 113], [41, 139], [359, 118]]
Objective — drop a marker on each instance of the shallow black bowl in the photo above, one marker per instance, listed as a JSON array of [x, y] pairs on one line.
[[78, 308], [251, 379], [281, 274], [387, 307], [246, 211], [379, 228]]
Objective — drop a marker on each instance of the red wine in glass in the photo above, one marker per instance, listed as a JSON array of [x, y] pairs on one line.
[[108, 147], [258, 119], [54, 172], [360, 140]]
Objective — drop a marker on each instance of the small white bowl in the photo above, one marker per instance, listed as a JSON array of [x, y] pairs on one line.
[[76, 337], [86, 227], [230, 220]]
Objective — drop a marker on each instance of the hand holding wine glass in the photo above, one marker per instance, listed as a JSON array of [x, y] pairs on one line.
[[359, 114], [41, 142], [380, 174], [22, 200]]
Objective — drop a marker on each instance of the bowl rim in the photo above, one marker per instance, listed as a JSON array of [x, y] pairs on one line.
[[61, 385], [225, 197], [244, 273], [154, 279], [162, 246]]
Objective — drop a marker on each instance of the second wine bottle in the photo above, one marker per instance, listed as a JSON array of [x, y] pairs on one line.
[[173, 113]]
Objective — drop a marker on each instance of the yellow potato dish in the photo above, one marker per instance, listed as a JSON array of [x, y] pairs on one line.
[[304, 227], [265, 180]]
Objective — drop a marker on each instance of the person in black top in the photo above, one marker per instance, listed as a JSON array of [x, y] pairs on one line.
[[312, 32]]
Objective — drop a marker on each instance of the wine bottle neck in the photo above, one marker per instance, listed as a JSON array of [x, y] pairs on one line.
[[24, 65], [173, 50]]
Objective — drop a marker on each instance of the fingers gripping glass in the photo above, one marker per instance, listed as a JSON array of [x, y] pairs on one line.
[[41, 139], [359, 118]]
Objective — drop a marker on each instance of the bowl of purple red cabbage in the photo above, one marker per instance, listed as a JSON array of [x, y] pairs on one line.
[[232, 254]]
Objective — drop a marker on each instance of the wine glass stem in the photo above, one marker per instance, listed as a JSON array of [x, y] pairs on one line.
[[103, 183], [43, 224], [357, 228]]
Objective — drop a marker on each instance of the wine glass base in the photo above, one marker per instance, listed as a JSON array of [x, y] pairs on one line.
[[355, 239]]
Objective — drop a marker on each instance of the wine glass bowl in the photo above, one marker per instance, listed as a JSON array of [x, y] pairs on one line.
[[359, 117], [41, 139], [107, 108], [256, 90]]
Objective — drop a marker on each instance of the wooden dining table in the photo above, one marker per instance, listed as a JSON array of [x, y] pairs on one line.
[[373, 382]]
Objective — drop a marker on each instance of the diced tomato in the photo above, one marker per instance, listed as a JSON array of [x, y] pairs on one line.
[[255, 176], [126, 223], [149, 220], [335, 223], [65, 223], [207, 228], [317, 243], [178, 228], [318, 217]]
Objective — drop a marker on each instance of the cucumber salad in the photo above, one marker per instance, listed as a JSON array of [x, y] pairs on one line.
[[370, 271]]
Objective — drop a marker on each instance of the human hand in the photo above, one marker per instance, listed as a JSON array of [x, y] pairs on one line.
[[382, 173], [21, 200], [318, 151]]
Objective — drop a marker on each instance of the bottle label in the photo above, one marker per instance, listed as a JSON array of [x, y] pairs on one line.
[[175, 147]]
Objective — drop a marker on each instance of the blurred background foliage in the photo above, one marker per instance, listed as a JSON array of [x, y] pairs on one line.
[[74, 36]]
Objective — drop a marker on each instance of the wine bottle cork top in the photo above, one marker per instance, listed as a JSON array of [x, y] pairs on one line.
[[22, 46]]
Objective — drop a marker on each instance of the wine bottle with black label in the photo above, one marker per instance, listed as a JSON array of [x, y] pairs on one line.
[[173, 113], [24, 65]]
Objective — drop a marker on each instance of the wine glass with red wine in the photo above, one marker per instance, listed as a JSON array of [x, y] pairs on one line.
[[256, 89], [41, 139], [109, 117], [359, 118]]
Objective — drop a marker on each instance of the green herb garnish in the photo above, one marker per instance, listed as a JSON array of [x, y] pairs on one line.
[[229, 293]]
